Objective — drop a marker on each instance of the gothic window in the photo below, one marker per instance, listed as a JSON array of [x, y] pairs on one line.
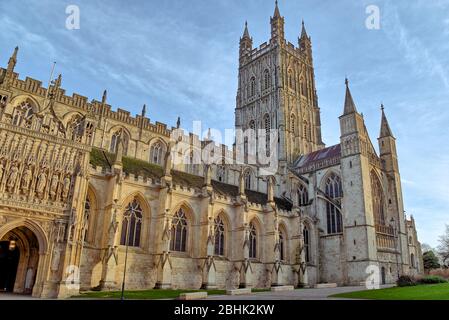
[[245, 149], [179, 232], [266, 77], [252, 241], [293, 124], [221, 173], [122, 136], [156, 153], [412, 260], [86, 218], [303, 197], [267, 125], [248, 180], [89, 132], [377, 200], [281, 245], [290, 79], [305, 127], [306, 236], [22, 114], [75, 128], [303, 87], [333, 193], [252, 87], [131, 224], [410, 241], [219, 237]]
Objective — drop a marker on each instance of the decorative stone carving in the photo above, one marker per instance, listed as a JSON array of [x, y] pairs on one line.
[[26, 179], [54, 185], [11, 183], [41, 182], [66, 187]]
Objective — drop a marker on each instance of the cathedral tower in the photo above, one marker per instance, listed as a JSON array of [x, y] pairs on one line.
[[358, 216], [276, 91]]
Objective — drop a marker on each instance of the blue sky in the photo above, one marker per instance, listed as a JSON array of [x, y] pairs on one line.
[[180, 58]]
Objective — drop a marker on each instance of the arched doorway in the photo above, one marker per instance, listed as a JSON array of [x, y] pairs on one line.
[[19, 258], [383, 275]]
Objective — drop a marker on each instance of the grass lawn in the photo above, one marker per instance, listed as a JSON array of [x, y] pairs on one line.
[[421, 292], [142, 294]]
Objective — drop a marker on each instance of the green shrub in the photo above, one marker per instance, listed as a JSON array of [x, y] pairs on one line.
[[432, 279], [406, 281]]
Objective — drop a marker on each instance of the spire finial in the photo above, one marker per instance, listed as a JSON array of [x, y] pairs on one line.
[[385, 130], [144, 110], [276, 10], [303, 30], [13, 60], [178, 123], [246, 32], [104, 98], [349, 102]]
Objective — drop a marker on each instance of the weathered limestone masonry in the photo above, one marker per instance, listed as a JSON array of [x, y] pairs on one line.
[[85, 190]]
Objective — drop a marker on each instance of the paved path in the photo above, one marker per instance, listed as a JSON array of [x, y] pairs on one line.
[[14, 296], [299, 294]]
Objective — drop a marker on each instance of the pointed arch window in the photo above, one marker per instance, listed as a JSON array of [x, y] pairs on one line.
[[281, 246], [293, 124], [75, 128], [377, 200], [132, 224], [303, 87], [305, 127], [252, 87], [86, 219], [290, 78], [248, 180], [267, 126], [119, 136], [221, 171], [178, 241], [219, 237], [334, 193], [156, 153], [266, 77], [303, 196], [306, 237], [252, 241], [23, 114]]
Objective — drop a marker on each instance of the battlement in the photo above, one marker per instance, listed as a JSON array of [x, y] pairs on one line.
[[98, 109]]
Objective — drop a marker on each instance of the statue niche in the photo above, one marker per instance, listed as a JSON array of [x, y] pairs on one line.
[[26, 179]]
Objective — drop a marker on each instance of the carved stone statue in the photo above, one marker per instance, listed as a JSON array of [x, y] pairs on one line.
[[42, 181], [26, 179], [12, 178], [66, 187], [54, 184]]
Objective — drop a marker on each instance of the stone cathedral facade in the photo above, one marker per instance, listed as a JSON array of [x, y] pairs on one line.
[[85, 190]]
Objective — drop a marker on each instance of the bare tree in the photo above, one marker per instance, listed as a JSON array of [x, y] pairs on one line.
[[443, 248]]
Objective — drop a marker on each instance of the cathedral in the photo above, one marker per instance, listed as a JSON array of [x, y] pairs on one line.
[[91, 198]]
